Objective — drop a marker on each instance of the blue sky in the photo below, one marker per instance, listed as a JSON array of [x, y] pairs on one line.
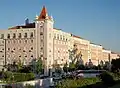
[[95, 20]]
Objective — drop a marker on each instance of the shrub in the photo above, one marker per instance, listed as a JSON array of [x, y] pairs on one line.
[[76, 83], [107, 78], [18, 77]]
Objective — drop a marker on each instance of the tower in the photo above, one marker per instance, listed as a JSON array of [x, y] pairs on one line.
[[44, 39]]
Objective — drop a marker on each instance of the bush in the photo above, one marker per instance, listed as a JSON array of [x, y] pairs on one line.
[[107, 78], [18, 77], [75, 83]]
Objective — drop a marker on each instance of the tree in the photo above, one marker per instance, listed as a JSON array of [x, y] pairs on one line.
[[20, 64], [38, 66], [115, 65], [65, 68], [72, 67]]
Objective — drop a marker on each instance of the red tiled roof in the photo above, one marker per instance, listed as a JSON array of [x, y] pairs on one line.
[[43, 13]]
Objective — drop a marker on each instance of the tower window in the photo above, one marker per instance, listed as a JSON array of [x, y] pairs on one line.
[[57, 36], [25, 41], [8, 36], [25, 36], [8, 48], [14, 35], [31, 35], [19, 36], [41, 33], [31, 41], [26, 56], [61, 37], [19, 56], [31, 48]]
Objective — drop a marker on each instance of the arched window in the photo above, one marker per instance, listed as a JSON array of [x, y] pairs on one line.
[[19, 36], [8, 36], [14, 35], [25, 36], [31, 35]]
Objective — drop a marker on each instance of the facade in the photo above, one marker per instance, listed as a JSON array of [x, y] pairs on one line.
[[40, 39], [95, 53], [114, 55], [106, 55], [83, 47]]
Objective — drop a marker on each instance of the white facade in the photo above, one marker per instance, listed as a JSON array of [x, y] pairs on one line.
[[41, 40]]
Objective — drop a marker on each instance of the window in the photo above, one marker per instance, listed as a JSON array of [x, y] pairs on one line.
[[25, 55], [19, 41], [2, 41], [31, 48], [31, 41], [14, 35], [8, 36], [57, 36], [41, 33], [41, 40], [25, 36], [3, 49], [2, 55], [25, 41], [61, 37], [31, 55], [66, 39], [19, 56], [19, 36], [8, 48], [31, 35], [2, 36]]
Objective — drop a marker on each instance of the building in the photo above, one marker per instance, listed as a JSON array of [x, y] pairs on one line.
[[106, 55], [114, 55], [40, 39], [83, 47], [95, 53]]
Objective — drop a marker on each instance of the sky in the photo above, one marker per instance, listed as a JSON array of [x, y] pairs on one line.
[[94, 20]]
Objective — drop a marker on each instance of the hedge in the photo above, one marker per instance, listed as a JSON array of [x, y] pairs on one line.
[[75, 83], [18, 77]]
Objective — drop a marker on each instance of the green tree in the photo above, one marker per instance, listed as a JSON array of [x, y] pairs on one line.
[[115, 65], [65, 68], [20, 64], [71, 67], [38, 66]]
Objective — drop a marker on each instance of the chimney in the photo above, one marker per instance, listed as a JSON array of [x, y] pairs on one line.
[[27, 21]]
